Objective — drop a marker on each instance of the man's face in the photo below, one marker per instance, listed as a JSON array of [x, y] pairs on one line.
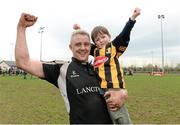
[[80, 47]]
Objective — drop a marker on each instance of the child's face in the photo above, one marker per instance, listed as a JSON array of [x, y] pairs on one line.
[[101, 40]]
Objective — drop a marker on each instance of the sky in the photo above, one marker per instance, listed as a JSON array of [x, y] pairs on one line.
[[58, 17]]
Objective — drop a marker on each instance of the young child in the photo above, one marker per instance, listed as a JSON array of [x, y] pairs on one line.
[[106, 62]]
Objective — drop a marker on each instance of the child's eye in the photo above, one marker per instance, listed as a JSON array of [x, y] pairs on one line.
[[97, 39]]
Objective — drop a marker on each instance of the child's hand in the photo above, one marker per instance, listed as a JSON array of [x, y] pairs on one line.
[[136, 13], [76, 27]]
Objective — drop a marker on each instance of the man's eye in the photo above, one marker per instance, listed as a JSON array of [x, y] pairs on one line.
[[87, 44], [78, 44]]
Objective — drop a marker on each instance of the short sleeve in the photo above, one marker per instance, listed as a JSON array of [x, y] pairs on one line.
[[51, 72]]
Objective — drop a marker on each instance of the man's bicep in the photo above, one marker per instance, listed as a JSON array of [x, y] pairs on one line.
[[35, 68]]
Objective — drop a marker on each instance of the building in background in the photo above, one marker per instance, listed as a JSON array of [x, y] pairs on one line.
[[6, 65]]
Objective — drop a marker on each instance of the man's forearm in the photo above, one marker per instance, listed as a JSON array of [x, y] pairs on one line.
[[21, 50]]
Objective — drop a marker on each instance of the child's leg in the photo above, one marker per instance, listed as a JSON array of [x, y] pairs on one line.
[[121, 116]]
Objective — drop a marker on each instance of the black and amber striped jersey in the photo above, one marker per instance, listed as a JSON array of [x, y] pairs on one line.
[[106, 62]]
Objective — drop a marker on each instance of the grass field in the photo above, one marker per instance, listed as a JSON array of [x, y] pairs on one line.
[[152, 99]]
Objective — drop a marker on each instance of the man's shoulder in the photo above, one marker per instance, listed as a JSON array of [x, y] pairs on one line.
[[56, 62]]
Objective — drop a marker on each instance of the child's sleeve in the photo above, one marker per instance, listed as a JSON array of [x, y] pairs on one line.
[[122, 40], [93, 47]]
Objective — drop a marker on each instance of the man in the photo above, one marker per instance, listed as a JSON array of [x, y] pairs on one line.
[[77, 81]]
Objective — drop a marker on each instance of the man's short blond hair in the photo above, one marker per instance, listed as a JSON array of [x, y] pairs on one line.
[[80, 32]]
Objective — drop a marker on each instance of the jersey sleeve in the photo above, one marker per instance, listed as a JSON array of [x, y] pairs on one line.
[[51, 72], [93, 47], [122, 40]]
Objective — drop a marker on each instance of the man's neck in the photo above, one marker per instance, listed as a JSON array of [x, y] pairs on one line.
[[79, 61]]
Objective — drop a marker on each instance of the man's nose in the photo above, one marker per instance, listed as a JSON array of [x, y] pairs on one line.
[[82, 46]]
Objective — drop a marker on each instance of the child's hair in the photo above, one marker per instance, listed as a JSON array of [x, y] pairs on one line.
[[99, 30]]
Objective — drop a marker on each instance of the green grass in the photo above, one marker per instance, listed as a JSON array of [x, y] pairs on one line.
[[30, 101], [152, 99]]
